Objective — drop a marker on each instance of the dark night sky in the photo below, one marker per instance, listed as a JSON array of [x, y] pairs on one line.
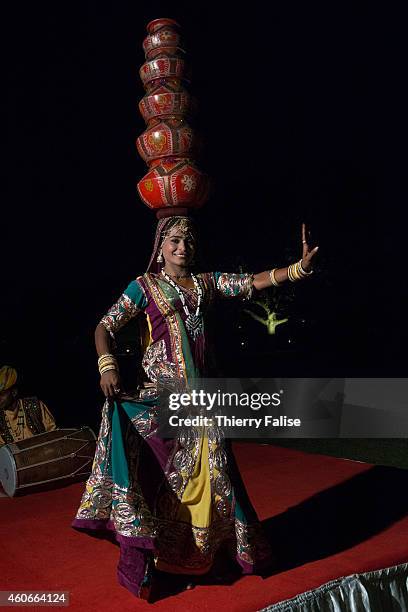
[[303, 114]]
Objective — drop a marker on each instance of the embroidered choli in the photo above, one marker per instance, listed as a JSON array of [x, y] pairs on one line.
[[171, 351]]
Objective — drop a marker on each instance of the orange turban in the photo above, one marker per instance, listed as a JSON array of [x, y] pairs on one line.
[[8, 377]]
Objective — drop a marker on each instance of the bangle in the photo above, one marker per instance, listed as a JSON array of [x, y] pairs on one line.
[[273, 278], [107, 368], [105, 356], [303, 271], [296, 272], [107, 362]]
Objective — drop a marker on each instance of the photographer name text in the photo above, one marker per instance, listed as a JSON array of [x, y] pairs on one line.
[[232, 421]]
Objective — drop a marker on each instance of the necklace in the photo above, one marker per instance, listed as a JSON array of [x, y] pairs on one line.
[[194, 321], [179, 276]]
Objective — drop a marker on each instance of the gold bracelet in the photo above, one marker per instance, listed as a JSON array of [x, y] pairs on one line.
[[299, 274], [105, 356], [272, 277], [296, 272], [291, 275], [107, 362], [303, 271], [107, 368]]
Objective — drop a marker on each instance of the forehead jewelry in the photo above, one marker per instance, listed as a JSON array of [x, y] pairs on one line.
[[183, 225]]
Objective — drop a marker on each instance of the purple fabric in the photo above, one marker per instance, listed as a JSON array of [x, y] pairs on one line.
[[135, 555], [158, 322], [133, 569], [107, 527], [131, 585], [161, 449], [91, 525], [160, 329], [199, 352]]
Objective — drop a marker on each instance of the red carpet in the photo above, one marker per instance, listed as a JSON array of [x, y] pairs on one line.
[[326, 517]]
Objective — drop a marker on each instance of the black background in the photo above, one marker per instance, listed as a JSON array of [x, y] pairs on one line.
[[302, 108]]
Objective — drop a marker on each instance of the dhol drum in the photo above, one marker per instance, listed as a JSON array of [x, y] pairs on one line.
[[48, 460]]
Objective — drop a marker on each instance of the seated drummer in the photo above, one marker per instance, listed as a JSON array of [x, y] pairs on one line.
[[20, 418]]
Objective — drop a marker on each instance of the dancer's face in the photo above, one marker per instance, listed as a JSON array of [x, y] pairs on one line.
[[178, 248]]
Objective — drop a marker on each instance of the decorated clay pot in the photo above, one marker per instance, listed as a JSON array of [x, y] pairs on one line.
[[166, 103], [171, 138], [166, 86], [164, 68], [174, 84], [174, 183], [166, 52], [164, 22], [166, 39]]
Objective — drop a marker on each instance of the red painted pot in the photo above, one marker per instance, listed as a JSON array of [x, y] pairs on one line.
[[157, 24], [166, 39], [168, 103], [171, 138], [174, 183], [166, 52], [174, 85], [164, 68]]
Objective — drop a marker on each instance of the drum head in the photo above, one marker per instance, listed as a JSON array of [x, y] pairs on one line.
[[8, 472]]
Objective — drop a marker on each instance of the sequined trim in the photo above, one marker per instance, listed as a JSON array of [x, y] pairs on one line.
[[183, 545], [252, 545], [236, 285], [183, 459], [120, 313], [172, 322], [33, 415], [156, 364], [221, 489], [105, 500], [178, 543]]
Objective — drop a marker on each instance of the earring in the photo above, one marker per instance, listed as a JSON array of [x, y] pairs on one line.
[[160, 257]]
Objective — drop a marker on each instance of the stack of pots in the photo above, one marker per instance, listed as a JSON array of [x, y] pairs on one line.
[[173, 185]]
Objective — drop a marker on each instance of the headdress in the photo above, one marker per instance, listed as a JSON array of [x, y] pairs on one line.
[[8, 378]]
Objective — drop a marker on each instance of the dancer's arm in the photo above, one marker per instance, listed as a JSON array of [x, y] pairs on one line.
[[110, 381], [129, 305]]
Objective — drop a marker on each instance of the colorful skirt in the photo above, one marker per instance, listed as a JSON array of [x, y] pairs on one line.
[[172, 504]]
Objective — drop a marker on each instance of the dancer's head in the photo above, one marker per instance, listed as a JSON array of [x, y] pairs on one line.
[[175, 243]]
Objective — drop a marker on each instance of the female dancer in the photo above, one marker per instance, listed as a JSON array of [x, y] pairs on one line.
[[171, 504]]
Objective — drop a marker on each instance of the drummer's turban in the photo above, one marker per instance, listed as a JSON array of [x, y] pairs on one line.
[[8, 377]]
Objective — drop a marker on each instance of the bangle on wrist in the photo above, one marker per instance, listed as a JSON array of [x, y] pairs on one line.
[[303, 271], [104, 357], [107, 362], [296, 272], [107, 369], [273, 277]]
